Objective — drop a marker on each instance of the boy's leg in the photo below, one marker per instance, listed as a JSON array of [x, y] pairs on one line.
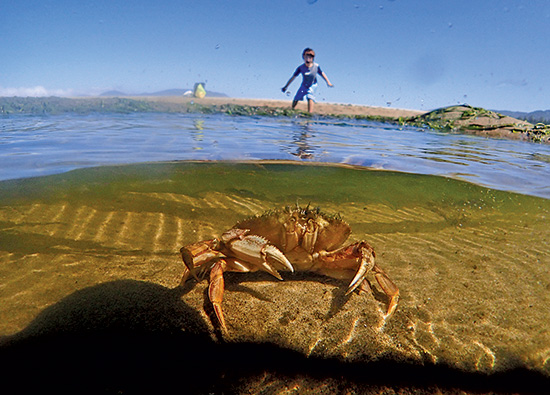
[[294, 102], [310, 105]]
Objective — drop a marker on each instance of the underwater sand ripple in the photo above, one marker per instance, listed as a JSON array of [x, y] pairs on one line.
[[474, 283]]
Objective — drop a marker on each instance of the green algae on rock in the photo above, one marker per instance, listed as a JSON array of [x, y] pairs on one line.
[[476, 120]]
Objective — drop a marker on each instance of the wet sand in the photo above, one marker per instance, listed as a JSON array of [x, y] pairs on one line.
[[320, 108], [94, 253]]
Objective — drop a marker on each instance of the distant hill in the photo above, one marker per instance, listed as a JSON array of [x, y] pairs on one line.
[[534, 117], [167, 92], [113, 93]]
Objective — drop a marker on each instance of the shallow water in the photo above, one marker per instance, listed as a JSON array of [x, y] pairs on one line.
[[97, 247], [40, 145], [472, 263]]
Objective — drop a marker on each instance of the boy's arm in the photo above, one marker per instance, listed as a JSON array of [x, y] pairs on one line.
[[326, 78], [288, 83]]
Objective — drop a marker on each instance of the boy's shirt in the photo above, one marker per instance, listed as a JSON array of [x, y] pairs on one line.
[[309, 74]]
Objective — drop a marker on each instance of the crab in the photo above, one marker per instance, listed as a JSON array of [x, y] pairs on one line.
[[290, 239]]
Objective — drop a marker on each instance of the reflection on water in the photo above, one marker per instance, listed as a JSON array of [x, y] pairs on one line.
[[39, 145], [301, 137], [198, 133]]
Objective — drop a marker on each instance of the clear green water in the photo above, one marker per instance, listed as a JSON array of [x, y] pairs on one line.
[[472, 264]]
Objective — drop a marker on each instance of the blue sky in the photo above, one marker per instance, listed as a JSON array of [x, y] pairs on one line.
[[398, 53]]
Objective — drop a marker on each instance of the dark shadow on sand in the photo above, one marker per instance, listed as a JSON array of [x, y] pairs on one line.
[[113, 337], [139, 337]]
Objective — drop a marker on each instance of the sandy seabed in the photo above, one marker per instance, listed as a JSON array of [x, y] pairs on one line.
[[90, 271]]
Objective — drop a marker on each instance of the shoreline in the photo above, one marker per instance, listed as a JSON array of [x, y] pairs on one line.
[[459, 118], [454, 119], [319, 109]]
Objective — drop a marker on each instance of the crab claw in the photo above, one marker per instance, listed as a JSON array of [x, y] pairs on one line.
[[366, 265], [257, 250], [271, 253]]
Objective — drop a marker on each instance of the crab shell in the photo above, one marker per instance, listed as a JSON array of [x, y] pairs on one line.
[[300, 233]]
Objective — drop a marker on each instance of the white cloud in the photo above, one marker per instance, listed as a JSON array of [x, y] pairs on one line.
[[36, 91]]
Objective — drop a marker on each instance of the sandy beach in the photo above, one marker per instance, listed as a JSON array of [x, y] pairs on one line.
[[320, 108]]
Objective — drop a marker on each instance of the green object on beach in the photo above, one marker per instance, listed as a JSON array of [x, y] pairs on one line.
[[200, 92]]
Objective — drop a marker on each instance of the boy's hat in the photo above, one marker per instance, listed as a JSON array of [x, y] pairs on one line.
[[308, 51]]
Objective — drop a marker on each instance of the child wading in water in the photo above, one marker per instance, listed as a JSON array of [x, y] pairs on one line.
[[309, 71]]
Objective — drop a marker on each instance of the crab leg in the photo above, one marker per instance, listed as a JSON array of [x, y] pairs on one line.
[[389, 288], [216, 287], [195, 255], [216, 290]]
